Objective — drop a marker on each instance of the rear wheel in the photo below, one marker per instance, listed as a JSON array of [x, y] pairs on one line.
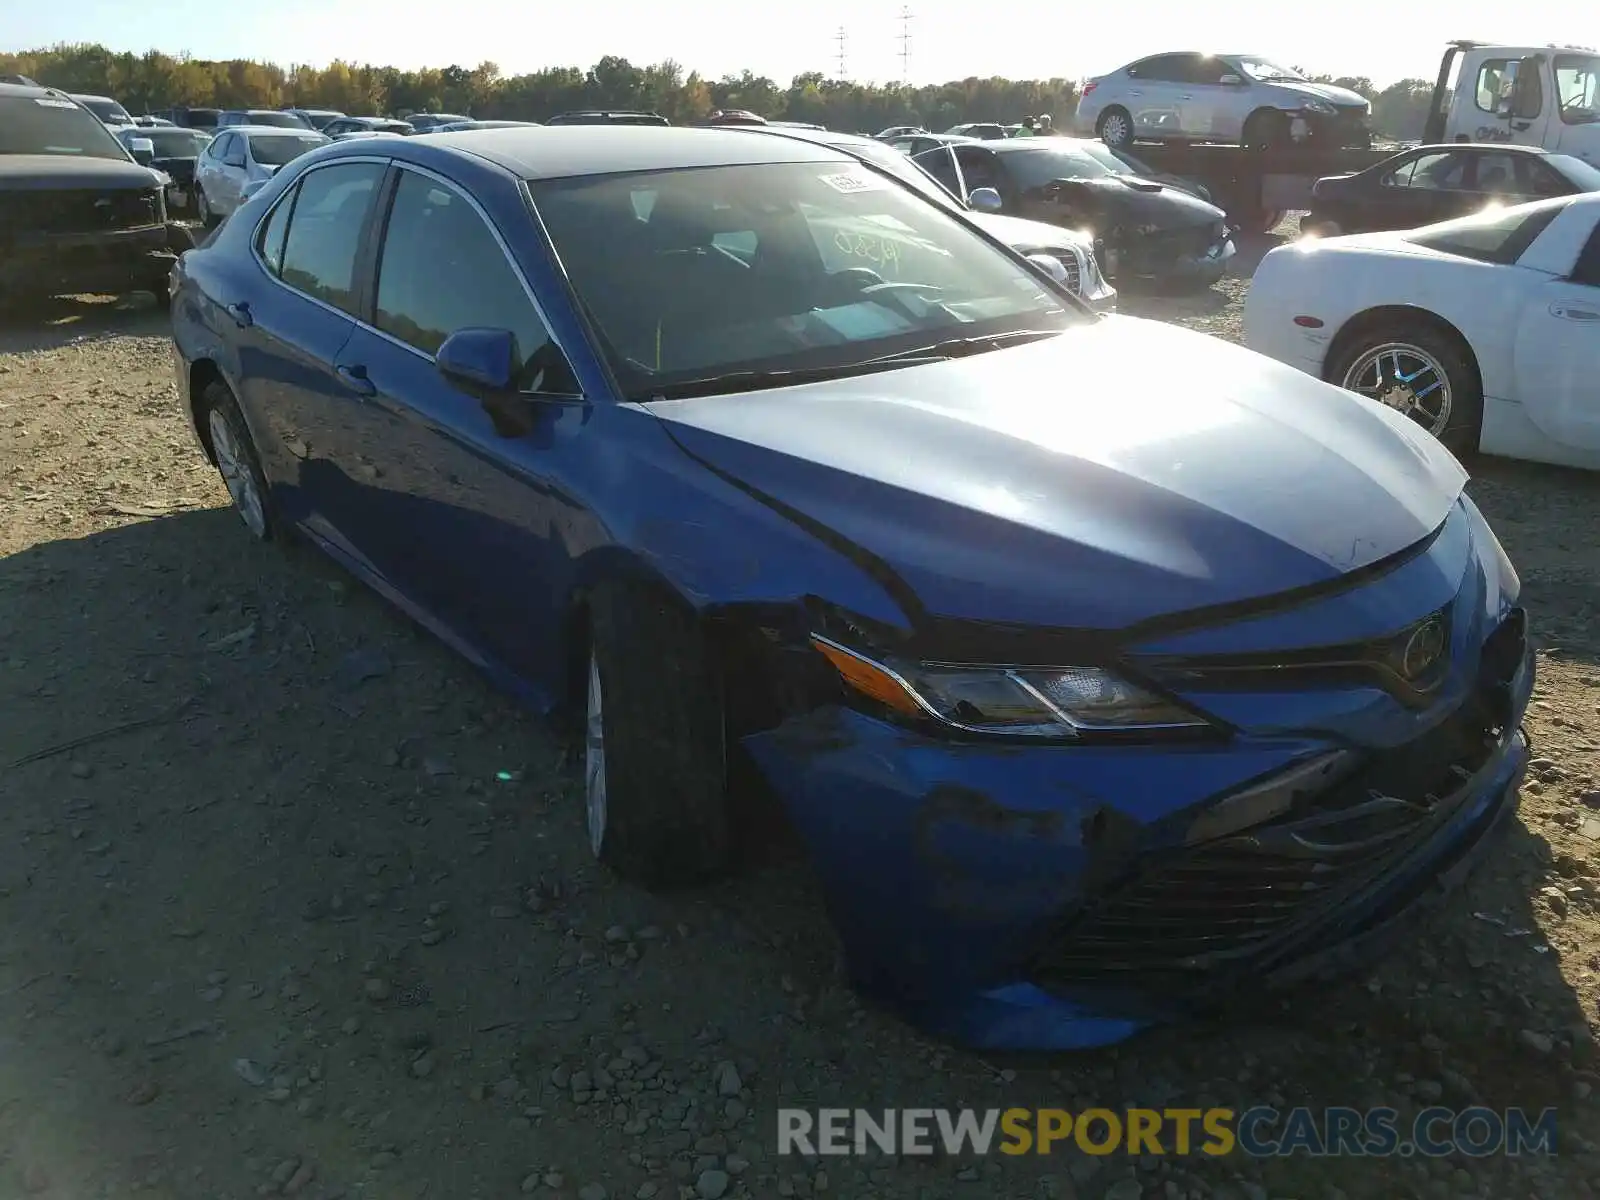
[[655, 754], [1419, 369], [1115, 127], [234, 453]]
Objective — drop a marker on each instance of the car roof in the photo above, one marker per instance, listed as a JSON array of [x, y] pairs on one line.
[[281, 130], [1439, 147], [93, 96], [562, 151]]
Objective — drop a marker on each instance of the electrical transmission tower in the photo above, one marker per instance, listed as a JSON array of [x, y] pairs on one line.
[[906, 17], [840, 39]]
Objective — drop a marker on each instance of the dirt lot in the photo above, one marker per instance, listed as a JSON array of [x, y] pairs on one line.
[[307, 910]]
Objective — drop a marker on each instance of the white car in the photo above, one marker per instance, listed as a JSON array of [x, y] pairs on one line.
[[1484, 330], [1237, 99], [241, 155]]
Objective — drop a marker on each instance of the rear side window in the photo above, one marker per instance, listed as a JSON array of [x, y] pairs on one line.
[[1499, 238], [443, 269], [324, 236], [269, 242], [1587, 270]]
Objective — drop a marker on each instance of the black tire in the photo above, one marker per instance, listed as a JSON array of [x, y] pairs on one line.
[[1127, 123], [666, 815], [1464, 425], [216, 398], [1266, 129]]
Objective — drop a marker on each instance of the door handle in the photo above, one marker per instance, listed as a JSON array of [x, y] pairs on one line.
[[1567, 313], [240, 313], [355, 378], [1185, 97]]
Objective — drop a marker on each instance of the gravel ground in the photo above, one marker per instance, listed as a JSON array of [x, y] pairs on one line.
[[291, 903]]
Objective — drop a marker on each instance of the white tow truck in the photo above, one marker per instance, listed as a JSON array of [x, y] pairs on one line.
[[1547, 96]]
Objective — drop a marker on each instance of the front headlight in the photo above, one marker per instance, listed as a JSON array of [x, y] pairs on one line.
[[1319, 106], [1044, 702]]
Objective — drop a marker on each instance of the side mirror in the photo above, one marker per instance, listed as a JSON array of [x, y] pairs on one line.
[[478, 360], [143, 151], [1231, 80], [985, 200], [1050, 266]]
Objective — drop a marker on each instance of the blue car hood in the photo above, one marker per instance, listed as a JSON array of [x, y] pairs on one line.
[[1122, 471]]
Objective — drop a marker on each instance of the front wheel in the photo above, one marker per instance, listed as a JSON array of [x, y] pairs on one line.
[[655, 753], [203, 209], [1267, 129], [1420, 370]]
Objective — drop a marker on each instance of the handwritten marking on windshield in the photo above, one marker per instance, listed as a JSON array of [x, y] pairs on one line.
[[880, 251]]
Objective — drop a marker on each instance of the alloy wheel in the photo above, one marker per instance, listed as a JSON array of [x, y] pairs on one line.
[[1114, 132], [594, 760], [237, 474], [1405, 378]]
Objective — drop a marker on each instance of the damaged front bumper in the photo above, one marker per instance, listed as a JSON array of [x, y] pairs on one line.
[[1061, 896], [1182, 256], [35, 266]]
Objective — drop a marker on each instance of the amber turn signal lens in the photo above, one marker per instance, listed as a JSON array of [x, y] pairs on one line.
[[868, 678]]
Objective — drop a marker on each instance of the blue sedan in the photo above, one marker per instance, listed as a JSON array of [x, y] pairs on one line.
[[1111, 673]]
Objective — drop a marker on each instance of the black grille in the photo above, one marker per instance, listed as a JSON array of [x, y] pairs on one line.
[[1233, 901], [73, 211]]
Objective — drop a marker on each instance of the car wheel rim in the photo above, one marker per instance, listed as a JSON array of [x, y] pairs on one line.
[[1114, 131], [1407, 379], [236, 474], [594, 761]]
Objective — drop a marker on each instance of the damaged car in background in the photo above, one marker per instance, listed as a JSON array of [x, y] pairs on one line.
[[77, 213], [1092, 715], [1142, 228], [1066, 255]]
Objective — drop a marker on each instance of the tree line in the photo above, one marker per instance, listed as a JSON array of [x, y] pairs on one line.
[[154, 80]]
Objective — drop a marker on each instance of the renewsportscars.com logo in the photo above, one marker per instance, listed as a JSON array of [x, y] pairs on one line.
[[1259, 1132]]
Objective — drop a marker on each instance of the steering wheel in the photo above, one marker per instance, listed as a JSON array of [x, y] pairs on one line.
[[864, 278], [901, 285]]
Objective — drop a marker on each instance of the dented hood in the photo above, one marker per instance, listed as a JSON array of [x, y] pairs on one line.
[[1120, 471]]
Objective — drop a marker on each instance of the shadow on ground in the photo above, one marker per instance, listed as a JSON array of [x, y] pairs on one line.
[[49, 324]]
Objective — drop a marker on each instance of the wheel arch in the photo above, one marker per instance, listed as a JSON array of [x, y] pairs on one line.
[[1390, 314], [203, 372]]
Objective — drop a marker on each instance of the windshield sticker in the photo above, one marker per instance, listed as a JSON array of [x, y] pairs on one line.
[[51, 102], [850, 182]]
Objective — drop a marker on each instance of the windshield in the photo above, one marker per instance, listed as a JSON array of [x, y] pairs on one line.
[[275, 149], [817, 268], [1497, 235], [1578, 88], [282, 120], [1260, 68], [49, 125], [1118, 162], [1038, 165], [108, 111], [171, 143]]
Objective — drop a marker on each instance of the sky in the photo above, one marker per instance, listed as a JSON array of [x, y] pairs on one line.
[[950, 39]]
